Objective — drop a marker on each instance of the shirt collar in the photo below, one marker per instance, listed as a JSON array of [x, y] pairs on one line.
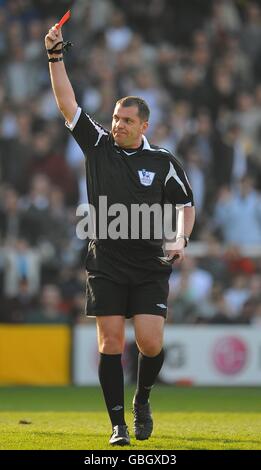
[[146, 145]]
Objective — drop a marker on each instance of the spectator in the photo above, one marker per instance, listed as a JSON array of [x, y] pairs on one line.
[[21, 263], [199, 281], [118, 34], [12, 222], [238, 214], [51, 308], [237, 295]]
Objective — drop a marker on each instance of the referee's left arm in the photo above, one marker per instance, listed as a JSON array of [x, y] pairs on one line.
[[179, 193], [185, 223]]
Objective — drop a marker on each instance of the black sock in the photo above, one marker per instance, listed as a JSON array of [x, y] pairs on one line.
[[112, 383], [148, 369]]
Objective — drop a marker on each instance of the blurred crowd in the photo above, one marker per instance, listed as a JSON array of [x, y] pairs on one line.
[[197, 64]]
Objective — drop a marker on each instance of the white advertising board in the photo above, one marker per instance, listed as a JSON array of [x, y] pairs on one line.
[[196, 355]]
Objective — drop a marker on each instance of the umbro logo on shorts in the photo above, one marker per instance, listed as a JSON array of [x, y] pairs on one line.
[[161, 305]]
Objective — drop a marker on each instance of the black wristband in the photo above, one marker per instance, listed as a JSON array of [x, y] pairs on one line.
[[53, 50], [56, 59], [186, 239], [56, 51], [65, 47]]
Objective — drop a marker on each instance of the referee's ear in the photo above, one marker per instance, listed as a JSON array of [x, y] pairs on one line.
[[145, 126]]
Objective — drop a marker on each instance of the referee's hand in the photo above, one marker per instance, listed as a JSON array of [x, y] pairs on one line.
[[176, 252], [54, 35]]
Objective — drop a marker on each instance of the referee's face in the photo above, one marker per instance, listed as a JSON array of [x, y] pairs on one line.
[[127, 127]]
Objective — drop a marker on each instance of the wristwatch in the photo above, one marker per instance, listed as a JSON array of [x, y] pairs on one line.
[[184, 238]]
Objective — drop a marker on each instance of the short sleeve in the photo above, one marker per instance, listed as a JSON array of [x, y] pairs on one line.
[[177, 186], [86, 131]]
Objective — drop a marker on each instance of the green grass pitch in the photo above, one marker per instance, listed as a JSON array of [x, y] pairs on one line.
[[184, 418]]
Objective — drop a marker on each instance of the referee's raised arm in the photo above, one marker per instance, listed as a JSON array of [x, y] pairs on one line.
[[61, 85]]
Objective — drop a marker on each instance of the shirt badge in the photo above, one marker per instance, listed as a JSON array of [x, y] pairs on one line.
[[146, 177]]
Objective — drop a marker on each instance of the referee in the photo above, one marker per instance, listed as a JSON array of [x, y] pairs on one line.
[[126, 278]]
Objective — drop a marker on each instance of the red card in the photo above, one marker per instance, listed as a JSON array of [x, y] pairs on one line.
[[63, 20]]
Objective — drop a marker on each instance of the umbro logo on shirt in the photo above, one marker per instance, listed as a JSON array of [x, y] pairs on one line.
[[146, 177]]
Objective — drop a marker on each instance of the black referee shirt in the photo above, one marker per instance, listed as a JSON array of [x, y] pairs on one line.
[[148, 175]]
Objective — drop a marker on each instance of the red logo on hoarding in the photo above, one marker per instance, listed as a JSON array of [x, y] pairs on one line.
[[230, 355]]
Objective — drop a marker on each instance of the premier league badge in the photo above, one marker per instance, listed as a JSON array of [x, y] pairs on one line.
[[146, 177]]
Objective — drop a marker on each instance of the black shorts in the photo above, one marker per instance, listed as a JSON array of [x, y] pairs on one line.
[[114, 287]]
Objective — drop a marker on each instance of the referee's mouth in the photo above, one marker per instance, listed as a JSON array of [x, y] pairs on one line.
[[120, 133], [120, 137]]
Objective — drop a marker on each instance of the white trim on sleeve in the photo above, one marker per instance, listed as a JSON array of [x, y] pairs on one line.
[[72, 125], [173, 174]]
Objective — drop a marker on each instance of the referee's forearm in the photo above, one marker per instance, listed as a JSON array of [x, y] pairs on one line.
[[62, 89], [185, 222]]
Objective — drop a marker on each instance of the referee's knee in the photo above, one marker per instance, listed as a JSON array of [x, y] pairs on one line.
[[150, 348], [111, 346]]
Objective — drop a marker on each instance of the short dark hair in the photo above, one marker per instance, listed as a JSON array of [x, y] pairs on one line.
[[143, 109]]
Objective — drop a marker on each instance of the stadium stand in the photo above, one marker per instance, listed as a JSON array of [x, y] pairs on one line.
[[197, 63]]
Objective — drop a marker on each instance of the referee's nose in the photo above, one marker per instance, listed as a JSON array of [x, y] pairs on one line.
[[120, 124]]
